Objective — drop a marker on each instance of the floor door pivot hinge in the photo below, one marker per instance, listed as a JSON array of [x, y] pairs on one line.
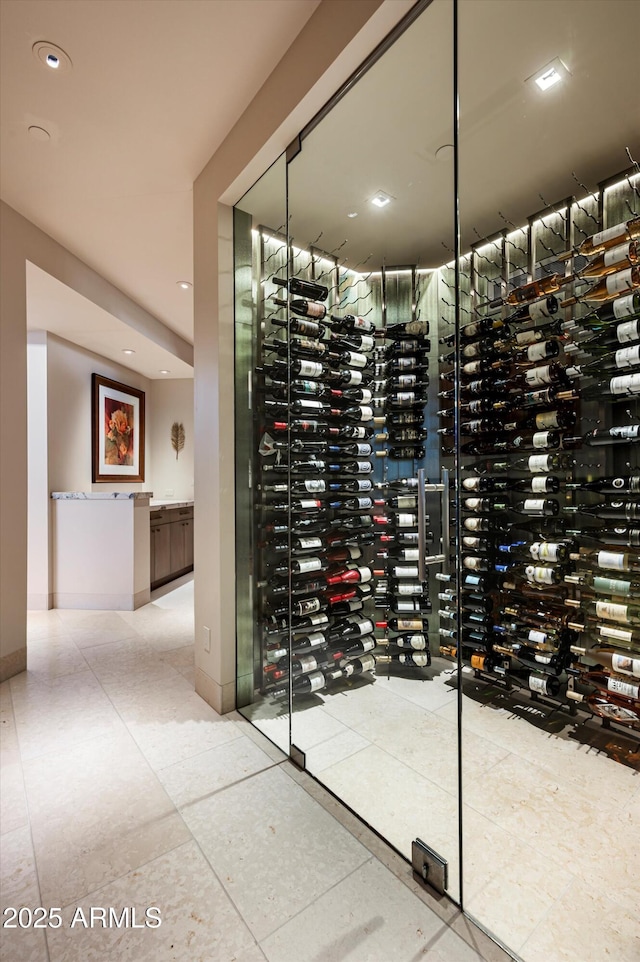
[[429, 866]]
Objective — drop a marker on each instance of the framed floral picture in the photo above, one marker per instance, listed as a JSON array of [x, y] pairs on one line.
[[117, 436]]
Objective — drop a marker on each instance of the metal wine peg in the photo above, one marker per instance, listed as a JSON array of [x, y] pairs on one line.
[[339, 247], [578, 205], [632, 415], [634, 162]]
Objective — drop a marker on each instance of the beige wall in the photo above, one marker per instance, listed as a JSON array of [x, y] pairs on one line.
[[60, 440], [20, 240], [336, 39], [69, 369], [169, 401]]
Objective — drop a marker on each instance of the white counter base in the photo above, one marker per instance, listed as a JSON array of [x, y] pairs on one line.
[[101, 552]]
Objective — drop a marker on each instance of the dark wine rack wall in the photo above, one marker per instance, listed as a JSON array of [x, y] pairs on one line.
[[536, 391], [548, 367]]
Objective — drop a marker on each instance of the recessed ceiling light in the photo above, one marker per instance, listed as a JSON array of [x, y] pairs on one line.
[[185, 285], [354, 213], [39, 133], [165, 372], [549, 76], [51, 56], [127, 350], [380, 199]]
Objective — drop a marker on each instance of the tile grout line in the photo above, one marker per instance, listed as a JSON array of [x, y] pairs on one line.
[[28, 807], [545, 915], [334, 885]]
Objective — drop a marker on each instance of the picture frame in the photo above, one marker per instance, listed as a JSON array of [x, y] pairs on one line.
[[117, 431]]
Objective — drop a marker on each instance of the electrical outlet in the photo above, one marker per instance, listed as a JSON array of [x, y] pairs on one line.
[[207, 638], [168, 493]]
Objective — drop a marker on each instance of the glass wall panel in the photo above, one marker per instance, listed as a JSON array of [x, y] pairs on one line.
[[371, 217], [548, 444], [263, 511]]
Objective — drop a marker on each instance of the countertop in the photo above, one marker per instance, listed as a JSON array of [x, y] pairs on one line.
[[168, 503], [101, 495]]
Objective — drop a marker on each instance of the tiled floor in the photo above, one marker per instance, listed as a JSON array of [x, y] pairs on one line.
[[551, 813], [122, 789]]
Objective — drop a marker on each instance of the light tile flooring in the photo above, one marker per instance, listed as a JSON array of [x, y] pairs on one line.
[[551, 814], [122, 789]]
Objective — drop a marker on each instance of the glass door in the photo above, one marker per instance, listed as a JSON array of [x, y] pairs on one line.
[[370, 218], [549, 380]]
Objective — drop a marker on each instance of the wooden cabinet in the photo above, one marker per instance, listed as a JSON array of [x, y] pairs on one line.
[[171, 543], [160, 552]]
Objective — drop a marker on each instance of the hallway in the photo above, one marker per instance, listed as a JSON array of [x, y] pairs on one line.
[[122, 788]]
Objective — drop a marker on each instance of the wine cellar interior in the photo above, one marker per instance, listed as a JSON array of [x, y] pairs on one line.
[[437, 426]]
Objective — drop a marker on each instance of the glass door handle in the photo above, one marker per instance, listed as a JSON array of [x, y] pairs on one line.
[[422, 534], [444, 521], [423, 558]]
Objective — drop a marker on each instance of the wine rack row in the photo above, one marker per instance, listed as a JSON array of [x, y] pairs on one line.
[[548, 378], [316, 491]]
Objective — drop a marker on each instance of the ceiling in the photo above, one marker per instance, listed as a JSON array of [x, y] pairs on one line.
[[155, 87], [516, 144]]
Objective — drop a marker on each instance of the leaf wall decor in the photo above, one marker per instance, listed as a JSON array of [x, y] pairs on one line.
[[177, 437]]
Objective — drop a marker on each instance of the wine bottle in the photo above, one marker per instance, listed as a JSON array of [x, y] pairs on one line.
[[619, 360], [535, 464], [623, 484], [297, 345], [357, 646], [619, 685], [536, 352], [607, 610], [417, 641], [534, 335], [612, 560], [308, 289], [403, 624], [534, 377], [609, 288], [347, 377], [406, 453], [624, 535], [303, 307], [417, 659], [607, 338], [298, 367], [553, 551], [533, 290], [614, 259], [619, 388], [353, 626], [483, 325], [535, 311], [352, 341], [351, 322], [356, 666], [561, 418], [620, 662], [300, 325], [406, 329], [603, 585], [622, 510], [605, 239]]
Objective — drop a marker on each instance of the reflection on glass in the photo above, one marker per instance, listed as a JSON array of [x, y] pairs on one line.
[[544, 201], [381, 733]]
